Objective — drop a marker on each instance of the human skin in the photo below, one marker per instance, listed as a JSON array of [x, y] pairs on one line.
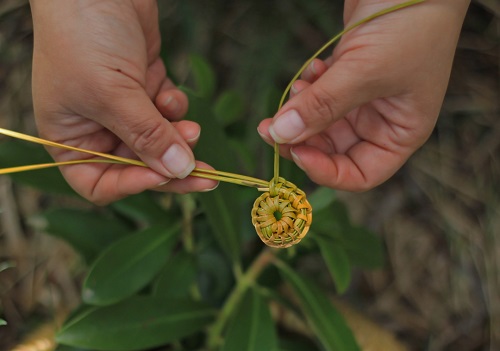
[[354, 119], [99, 84]]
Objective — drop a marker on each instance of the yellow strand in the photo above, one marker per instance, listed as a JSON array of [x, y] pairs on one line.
[[108, 158]]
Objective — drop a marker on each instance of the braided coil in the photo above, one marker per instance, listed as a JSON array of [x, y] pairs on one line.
[[282, 216]]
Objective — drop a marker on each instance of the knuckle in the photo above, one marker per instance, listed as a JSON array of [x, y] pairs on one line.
[[146, 136], [322, 103]]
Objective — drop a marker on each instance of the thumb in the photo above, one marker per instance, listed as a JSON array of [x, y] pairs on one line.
[[136, 121], [334, 94]]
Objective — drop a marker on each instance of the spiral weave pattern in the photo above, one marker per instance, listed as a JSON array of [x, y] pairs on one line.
[[282, 216]]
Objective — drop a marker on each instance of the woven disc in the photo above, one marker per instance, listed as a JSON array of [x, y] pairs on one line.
[[282, 216]]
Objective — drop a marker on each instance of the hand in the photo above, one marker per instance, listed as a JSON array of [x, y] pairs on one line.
[[99, 84], [354, 119]]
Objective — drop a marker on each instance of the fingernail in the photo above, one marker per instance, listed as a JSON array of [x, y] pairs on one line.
[[312, 67], [196, 137], [296, 159], [177, 161], [293, 90], [208, 190], [171, 104], [163, 183], [287, 127], [265, 137]]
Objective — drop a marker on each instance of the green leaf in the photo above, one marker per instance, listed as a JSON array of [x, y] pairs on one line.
[[135, 324], [220, 206], [89, 233], [177, 277], [321, 198], [143, 208], [128, 265], [296, 345], [18, 153], [245, 156], [332, 220], [203, 75], [215, 277], [253, 328], [229, 107], [69, 348], [221, 216], [3, 322], [321, 14], [365, 249], [337, 261], [327, 323]]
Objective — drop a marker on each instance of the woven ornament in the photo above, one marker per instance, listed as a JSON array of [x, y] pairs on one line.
[[282, 216]]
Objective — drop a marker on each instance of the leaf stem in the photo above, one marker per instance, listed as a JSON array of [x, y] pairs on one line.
[[244, 282]]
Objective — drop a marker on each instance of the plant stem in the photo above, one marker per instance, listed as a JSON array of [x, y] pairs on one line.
[[244, 281]]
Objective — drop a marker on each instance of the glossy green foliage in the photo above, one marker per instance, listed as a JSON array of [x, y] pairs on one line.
[[177, 277], [337, 261], [362, 247], [219, 205], [128, 265], [252, 328], [327, 323], [87, 232], [135, 324]]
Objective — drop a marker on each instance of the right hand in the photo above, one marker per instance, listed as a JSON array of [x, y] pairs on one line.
[[354, 119], [99, 84]]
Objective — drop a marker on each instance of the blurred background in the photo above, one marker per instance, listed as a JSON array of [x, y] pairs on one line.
[[439, 215]]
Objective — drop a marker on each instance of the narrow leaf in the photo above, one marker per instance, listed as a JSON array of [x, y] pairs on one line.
[[143, 208], [296, 345], [337, 261], [229, 107], [128, 265], [364, 248], [177, 277], [89, 233], [221, 206], [253, 328], [327, 323], [245, 154], [135, 324], [332, 220], [203, 75], [215, 277], [321, 198]]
